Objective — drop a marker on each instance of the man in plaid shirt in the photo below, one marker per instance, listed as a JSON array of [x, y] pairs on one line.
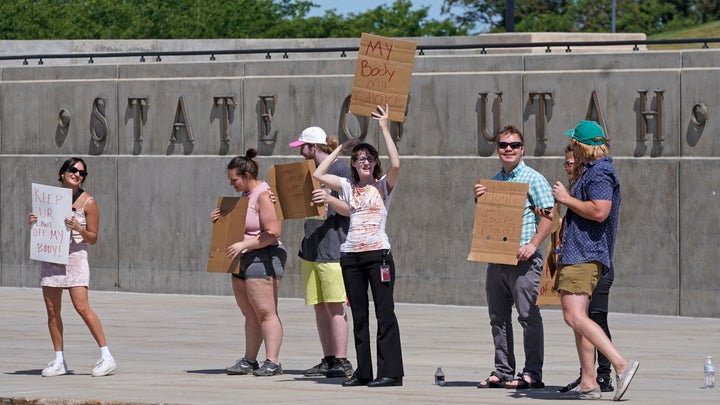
[[519, 284]]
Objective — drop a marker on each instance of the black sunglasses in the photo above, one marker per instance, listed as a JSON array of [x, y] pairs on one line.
[[514, 145], [74, 170]]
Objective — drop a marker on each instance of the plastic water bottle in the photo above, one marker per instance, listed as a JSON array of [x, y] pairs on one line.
[[439, 377], [709, 373]]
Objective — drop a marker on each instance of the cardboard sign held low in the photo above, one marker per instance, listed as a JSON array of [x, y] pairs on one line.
[[382, 75], [293, 184], [228, 229], [498, 222], [547, 295]]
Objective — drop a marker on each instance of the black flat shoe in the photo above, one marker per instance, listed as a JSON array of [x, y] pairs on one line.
[[386, 382], [355, 382]]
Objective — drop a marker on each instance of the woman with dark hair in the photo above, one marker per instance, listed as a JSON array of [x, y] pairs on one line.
[[261, 267], [366, 257], [75, 275]]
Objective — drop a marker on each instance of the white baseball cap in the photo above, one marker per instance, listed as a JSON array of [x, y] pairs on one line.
[[311, 135]]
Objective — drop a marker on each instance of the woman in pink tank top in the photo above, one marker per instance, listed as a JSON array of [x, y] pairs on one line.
[[261, 267]]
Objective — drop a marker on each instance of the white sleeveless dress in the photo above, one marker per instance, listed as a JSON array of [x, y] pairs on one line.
[[77, 272]]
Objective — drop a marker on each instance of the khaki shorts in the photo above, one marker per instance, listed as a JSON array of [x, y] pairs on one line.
[[578, 278], [322, 282]]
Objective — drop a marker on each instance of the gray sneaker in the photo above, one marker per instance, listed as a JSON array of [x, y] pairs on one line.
[[318, 369], [577, 393], [340, 368], [242, 366], [268, 369], [347, 366], [623, 380]]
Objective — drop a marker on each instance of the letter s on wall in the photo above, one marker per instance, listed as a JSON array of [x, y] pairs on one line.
[[98, 121]]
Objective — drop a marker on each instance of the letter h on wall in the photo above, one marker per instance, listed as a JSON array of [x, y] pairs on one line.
[[647, 115]]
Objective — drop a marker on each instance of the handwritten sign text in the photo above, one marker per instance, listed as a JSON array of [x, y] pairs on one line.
[[49, 237], [382, 75]]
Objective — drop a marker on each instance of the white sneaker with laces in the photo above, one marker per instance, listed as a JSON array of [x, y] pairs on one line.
[[104, 367], [55, 368]]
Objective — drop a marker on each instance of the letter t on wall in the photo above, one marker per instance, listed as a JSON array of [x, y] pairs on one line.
[[139, 107]]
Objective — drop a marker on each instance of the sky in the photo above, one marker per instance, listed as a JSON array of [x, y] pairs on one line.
[[359, 6]]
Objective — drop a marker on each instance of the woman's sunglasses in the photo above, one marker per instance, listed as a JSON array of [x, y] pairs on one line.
[[74, 170]]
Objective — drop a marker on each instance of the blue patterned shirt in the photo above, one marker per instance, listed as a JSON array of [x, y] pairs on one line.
[[586, 240], [539, 195]]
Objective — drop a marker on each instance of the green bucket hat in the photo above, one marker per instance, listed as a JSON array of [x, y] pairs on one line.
[[587, 132]]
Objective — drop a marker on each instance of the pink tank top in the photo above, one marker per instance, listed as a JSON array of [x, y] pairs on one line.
[[252, 219]]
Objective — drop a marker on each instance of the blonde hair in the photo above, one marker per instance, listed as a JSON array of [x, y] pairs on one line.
[[332, 143], [592, 152]]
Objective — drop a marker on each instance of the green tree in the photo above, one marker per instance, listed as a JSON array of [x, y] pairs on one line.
[[206, 19], [399, 20], [474, 13], [648, 16], [706, 10]]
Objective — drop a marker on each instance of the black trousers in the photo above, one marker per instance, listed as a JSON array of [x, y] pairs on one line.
[[359, 270], [598, 312]]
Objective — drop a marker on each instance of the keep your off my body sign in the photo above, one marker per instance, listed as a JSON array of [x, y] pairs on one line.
[[49, 237], [382, 75]]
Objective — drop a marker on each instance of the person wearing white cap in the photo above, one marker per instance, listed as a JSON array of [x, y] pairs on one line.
[[320, 260]]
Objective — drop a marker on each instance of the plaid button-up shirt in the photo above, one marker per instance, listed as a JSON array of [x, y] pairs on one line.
[[539, 195]]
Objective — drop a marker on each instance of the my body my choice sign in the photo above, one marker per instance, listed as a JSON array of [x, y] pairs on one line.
[[49, 237], [382, 75]]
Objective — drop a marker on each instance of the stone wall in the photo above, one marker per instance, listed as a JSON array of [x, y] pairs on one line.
[[156, 182]]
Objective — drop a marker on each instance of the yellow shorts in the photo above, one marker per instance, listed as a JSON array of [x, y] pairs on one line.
[[322, 282], [578, 278]]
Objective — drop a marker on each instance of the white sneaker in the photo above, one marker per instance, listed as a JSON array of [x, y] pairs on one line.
[[104, 367], [55, 368]]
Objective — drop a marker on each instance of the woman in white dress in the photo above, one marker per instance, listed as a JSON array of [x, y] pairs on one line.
[[75, 276]]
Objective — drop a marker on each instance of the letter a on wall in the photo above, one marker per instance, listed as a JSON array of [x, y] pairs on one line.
[[181, 124]]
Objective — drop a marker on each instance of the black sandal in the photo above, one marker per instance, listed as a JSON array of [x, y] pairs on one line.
[[523, 384], [488, 383]]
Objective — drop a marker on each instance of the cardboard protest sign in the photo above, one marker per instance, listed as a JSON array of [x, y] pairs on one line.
[[382, 75], [49, 237], [547, 295], [498, 222], [228, 229], [293, 184]]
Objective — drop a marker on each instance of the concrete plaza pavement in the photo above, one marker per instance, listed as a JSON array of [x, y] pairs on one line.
[[171, 349]]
